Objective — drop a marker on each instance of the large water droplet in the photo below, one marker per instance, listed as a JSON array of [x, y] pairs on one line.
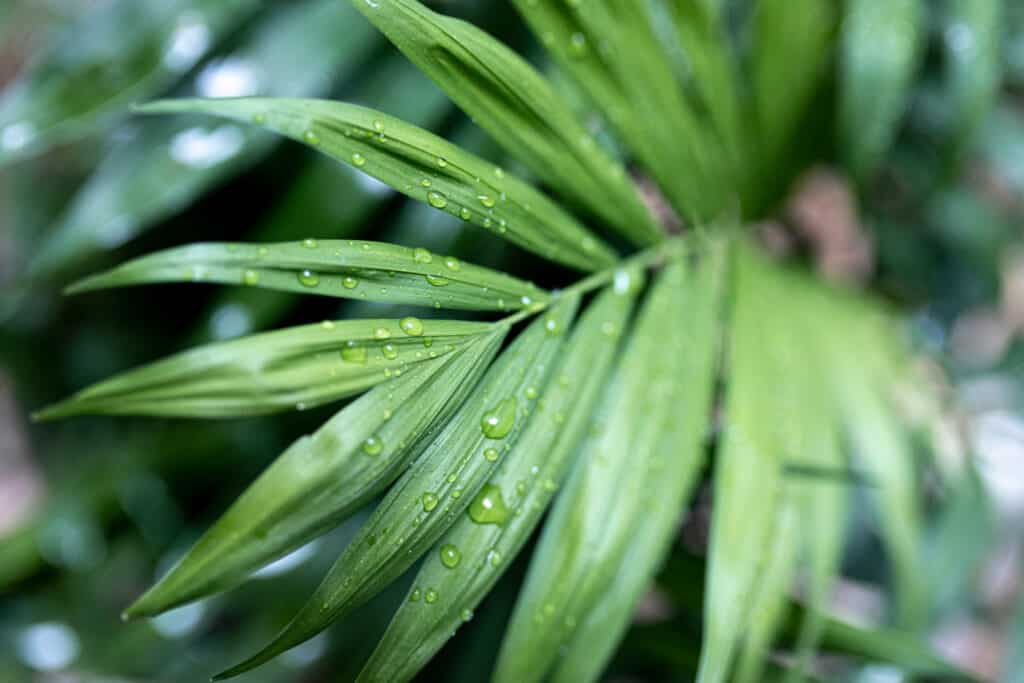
[[452, 263], [450, 556], [421, 255], [349, 282], [436, 199], [373, 445], [497, 422], [307, 278], [430, 596], [489, 506], [415, 595], [429, 501], [491, 454], [487, 200], [250, 277], [381, 333], [358, 159], [389, 351], [311, 137], [353, 353], [436, 280], [412, 326]]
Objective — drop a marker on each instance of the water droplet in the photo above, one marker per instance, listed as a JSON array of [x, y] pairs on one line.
[[494, 558], [487, 200], [415, 596], [373, 445], [428, 342], [457, 493], [467, 614], [489, 506], [430, 595], [381, 333], [429, 501], [436, 280], [389, 351], [499, 172], [307, 278], [311, 137], [491, 454], [465, 214], [437, 200], [452, 263], [450, 556], [353, 353], [349, 282], [250, 277], [530, 393], [259, 119], [578, 45], [551, 326], [609, 329], [378, 126], [309, 243], [358, 159], [441, 162], [550, 485], [411, 326], [421, 255], [497, 422], [327, 325]]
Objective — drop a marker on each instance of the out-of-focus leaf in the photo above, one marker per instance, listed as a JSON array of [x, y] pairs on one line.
[[159, 167], [672, 475], [109, 59], [375, 271], [422, 166], [505, 511], [518, 107], [972, 30], [792, 41], [612, 51], [322, 478], [436, 489], [597, 517], [880, 48], [299, 367]]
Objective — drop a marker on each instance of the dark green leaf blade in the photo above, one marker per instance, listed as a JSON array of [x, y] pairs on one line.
[[505, 512], [420, 165], [322, 478], [437, 488], [518, 107], [288, 369], [371, 271]]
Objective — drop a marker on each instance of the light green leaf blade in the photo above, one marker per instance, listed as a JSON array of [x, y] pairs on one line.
[[596, 516], [504, 513], [371, 271], [671, 477], [880, 47], [518, 107], [420, 165], [132, 49], [166, 164], [435, 490], [296, 368], [322, 478], [747, 483]]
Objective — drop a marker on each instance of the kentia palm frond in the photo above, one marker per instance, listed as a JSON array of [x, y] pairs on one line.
[[603, 406]]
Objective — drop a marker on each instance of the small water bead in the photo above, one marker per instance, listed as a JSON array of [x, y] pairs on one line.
[[262, 251], [327, 325], [353, 353], [578, 45], [525, 300], [550, 485], [465, 214], [497, 422], [412, 326], [491, 454], [452, 263], [489, 506], [499, 172], [309, 243], [521, 487], [389, 351], [307, 278], [428, 342], [349, 282], [609, 329], [250, 277], [487, 222], [381, 333], [450, 556], [442, 162], [487, 200], [378, 126], [437, 280], [436, 199], [457, 493], [430, 596], [551, 326], [429, 501], [530, 393], [415, 595], [467, 614], [426, 182], [311, 137], [259, 119], [494, 558], [421, 255], [373, 445], [358, 159]]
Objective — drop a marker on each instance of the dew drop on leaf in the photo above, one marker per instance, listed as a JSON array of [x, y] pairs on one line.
[[250, 277], [373, 445], [489, 506], [421, 255], [497, 422], [436, 199], [353, 353], [411, 326], [436, 280], [358, 159], [307, 278], [389, 351], [349, 282], [429, 501], [450, 556]]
